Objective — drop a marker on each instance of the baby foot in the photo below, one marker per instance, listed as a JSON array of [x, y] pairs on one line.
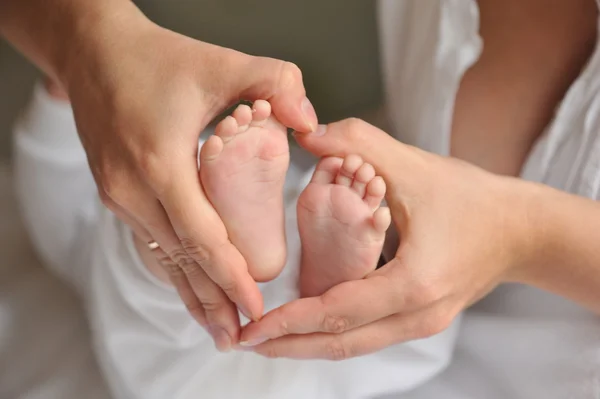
[[242, 168], [341, 224]]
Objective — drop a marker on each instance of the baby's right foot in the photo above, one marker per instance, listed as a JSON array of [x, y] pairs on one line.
[[341, 224]]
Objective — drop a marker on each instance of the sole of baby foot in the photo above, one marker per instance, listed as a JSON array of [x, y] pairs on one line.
[[242, 169], [342, 226]]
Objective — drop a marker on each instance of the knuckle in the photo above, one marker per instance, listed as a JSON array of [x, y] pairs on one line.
[[354, 128], [192, 250], [290, 75], [230, 289], [151, 167], [187, 265], [106, 199], [431, 293], [180, 260], [282, 325], [270, 352], [170, 266], [336, 350], [111, 189], [284, 328], [424, 294], [434, 325], [193, 260], [334, 324], [213, 305]]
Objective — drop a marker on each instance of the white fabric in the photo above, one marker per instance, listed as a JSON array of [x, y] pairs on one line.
[[45, 350], [519, 342], [145, 341]]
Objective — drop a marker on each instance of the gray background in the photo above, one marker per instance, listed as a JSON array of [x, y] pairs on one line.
[[333, 41]]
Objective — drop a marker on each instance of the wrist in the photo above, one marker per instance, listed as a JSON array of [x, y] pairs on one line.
[[530, 235], [94, 34]]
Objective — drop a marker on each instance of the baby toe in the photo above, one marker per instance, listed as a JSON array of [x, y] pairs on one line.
[[243, 116], [375, 192], [362, 177], [346, 175], [261, 111], [382, 218], [227, 128]]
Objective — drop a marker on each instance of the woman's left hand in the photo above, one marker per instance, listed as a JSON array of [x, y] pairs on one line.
[[463, 231]]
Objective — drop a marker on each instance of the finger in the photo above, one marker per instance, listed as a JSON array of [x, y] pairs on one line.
[[150, 223], [208, 304], [195, 289], [354, 136], [185, 291], [361, 341], [153, 219], [175, 273], [281, 84], [344, 307], [204, 239]]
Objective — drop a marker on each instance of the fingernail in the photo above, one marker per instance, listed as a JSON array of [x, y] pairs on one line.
[[253, 342], [246, 313], [221, 338], [310, 114], [321, 130]]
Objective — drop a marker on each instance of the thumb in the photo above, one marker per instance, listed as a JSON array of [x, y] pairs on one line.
[[353, 136], [280, 83]]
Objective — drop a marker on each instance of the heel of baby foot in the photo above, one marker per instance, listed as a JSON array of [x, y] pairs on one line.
[[269, 266]]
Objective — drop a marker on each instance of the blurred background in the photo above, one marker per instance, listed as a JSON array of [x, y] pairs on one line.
[[334, 42]]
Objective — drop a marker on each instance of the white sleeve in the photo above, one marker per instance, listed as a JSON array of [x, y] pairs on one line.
[[56, 191]]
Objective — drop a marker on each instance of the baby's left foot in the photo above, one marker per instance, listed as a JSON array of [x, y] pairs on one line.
[[341, 224], [243, 169]]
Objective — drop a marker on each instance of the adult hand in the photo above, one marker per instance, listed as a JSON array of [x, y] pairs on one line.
[[141, 96], [462, 232]]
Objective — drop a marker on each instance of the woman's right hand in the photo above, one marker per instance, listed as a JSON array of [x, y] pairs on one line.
[[141, 96]]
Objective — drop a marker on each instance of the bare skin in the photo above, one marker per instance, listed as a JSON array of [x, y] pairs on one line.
[[342, 226], [243, 169], [533, 51]]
